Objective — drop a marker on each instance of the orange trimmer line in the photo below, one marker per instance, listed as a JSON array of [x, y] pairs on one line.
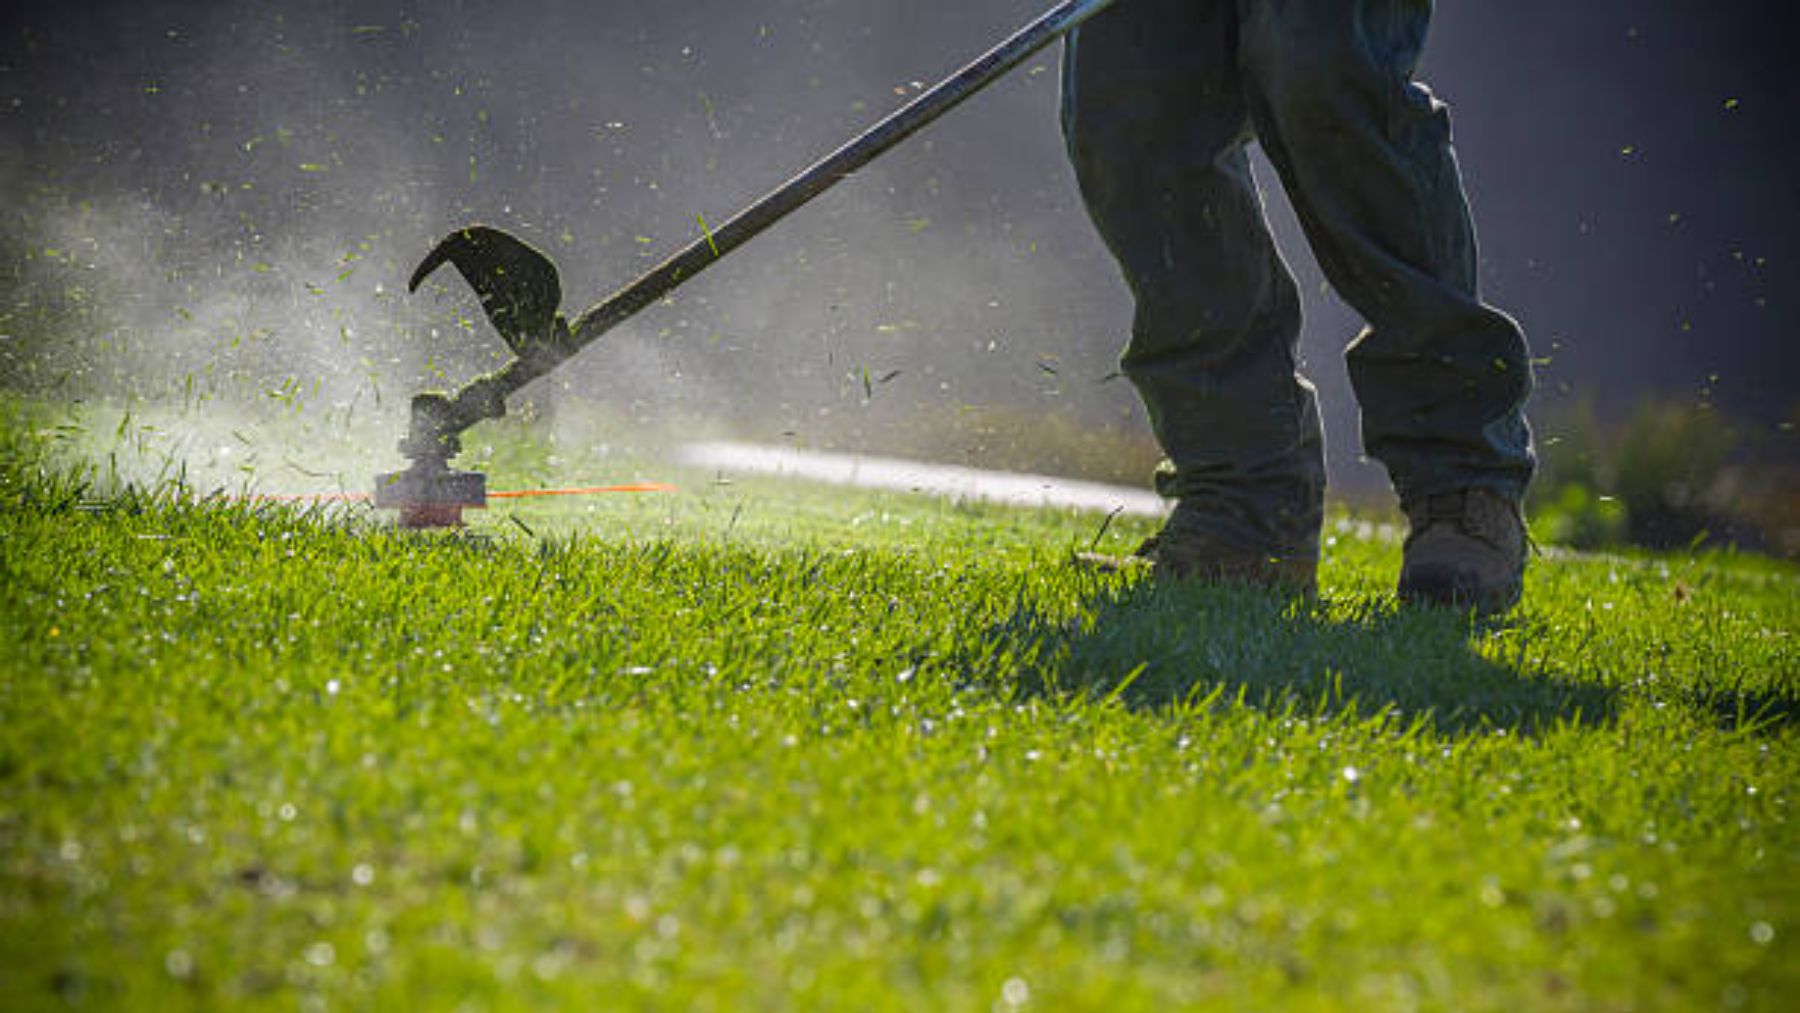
[[363, 497], [584, 491]]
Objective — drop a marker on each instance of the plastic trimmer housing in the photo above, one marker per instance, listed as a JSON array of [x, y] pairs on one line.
[[431, 495]]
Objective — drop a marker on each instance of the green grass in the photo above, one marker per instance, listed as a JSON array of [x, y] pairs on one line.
[[768, 746]]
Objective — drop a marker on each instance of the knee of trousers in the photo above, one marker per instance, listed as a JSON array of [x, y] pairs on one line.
[[1314, 76]]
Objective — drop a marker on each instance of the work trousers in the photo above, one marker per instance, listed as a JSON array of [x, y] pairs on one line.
[[1160, 100]]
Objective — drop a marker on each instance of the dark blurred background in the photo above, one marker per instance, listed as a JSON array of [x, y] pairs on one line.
[[229, 195]]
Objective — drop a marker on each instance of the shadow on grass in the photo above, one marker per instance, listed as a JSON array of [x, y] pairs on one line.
[[1762, 711], [1154, 646]]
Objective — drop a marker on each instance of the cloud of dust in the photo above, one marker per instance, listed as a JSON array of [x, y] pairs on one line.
[[217, 207]]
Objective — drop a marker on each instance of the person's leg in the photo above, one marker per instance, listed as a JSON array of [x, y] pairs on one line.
[[1441, 377], [1155, 120], [1364, 152]]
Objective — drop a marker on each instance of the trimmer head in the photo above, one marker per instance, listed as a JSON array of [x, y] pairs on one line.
[[520, 292], [431, 495]]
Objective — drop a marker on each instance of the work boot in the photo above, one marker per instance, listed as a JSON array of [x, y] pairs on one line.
[[1184, 554], [1466, 549]]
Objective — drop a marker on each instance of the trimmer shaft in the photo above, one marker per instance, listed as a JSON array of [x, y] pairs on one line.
[[520, 290]]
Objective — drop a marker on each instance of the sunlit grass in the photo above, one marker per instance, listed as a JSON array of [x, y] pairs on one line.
[[767, 746]]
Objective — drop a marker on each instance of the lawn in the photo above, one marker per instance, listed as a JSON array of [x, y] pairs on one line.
[[775, 746]]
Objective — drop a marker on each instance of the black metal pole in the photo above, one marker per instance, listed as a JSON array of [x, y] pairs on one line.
[[437, 420], [832, 169]]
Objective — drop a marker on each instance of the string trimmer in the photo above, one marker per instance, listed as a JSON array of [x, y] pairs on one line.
[[521, 292]]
